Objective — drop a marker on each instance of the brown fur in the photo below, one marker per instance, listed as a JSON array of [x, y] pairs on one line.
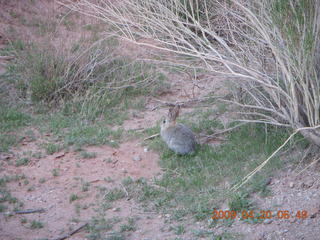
[[173, 114]]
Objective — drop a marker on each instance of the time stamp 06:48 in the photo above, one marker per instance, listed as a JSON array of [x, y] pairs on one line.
[[251, 214]]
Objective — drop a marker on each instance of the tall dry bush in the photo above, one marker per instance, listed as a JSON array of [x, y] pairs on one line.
[[268, 49]]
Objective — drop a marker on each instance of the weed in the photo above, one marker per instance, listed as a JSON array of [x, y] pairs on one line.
[[36, 224], [12, 119], [178, 230], [73, 197], [55, 172], [201, 233], [7, 141], [75, 220], [22, 162], [52, 148], [114, 194], [85, 186], [42, 180], [2, 207], [98, 227], [23, 220], [127, 181], [77, 208], [179, 214], [108, 160], [88, 155], [239, 202], [130, 226], [115, 236], [37, 155]]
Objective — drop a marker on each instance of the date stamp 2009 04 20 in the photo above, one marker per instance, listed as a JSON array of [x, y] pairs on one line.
[[262, 214]]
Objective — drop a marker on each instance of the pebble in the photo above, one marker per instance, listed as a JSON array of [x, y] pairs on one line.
[[146, 149], [291, 184], [137, 158]]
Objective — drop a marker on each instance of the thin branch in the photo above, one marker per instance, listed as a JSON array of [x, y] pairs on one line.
[[72, 233], [28, 211], [151, 137]]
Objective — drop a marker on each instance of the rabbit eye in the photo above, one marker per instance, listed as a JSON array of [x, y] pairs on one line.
[[164, 121]]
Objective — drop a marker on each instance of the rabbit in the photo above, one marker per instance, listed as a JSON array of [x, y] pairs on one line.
[[178, 137]]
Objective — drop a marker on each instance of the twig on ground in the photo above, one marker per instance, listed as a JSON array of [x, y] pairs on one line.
[[151, 137], [73, 232], [28, 211]]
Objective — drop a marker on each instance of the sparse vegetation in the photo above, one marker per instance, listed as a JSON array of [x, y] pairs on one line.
[[130, 226], [88, 155], [22, 162], [55, 172], [114, 194], [36, 224], [52, 148], [59, 99], [73, 197]]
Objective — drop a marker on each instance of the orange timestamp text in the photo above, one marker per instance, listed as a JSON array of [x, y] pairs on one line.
[[262, 214]]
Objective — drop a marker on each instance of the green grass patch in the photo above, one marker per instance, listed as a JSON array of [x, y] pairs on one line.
[[197, 182], [11, 120], [129, 226], [99, 226], [36, 224], [88, 155], [73, 197], [52, 148], [22, 162], [5, 195], [114, 194]]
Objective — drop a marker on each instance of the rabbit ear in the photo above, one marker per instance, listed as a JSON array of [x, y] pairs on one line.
[[174, 112]]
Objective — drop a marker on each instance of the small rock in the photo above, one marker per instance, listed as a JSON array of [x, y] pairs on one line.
[[167, 215], [136, 158], [146, 149], [291, 184], [267, 221], [114, 209]]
